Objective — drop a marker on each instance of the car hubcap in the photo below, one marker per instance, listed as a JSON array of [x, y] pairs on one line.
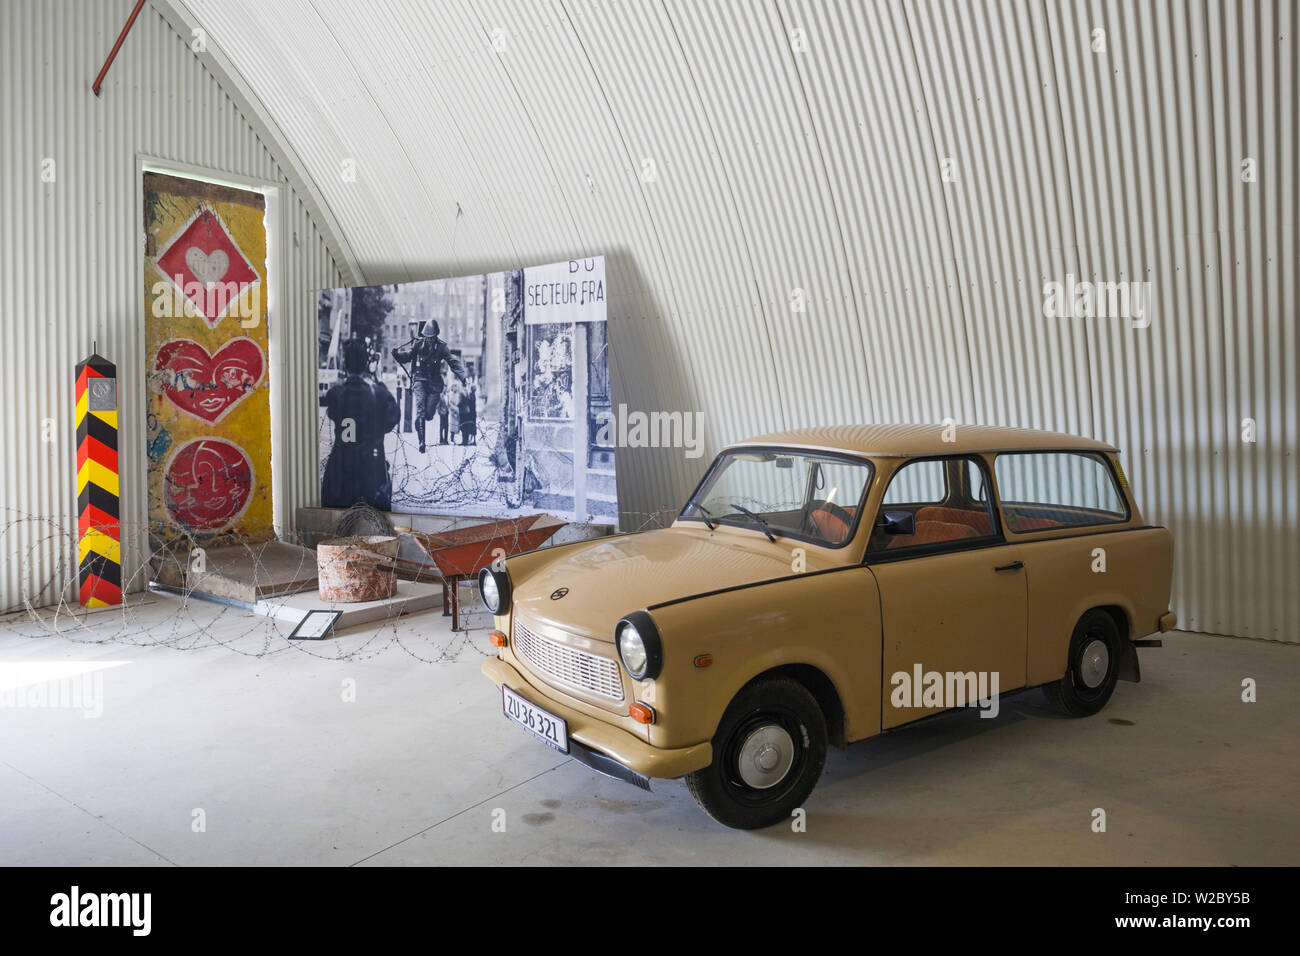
[[1094, 664], [766, 756]]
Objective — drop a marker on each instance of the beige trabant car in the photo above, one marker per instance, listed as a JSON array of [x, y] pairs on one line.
[[823, 586]]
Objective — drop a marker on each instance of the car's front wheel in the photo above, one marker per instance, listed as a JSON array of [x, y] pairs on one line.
[[768, 754], [1089, 680]]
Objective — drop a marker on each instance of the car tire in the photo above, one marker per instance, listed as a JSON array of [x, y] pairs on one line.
[[1090, 677], [768, 754]]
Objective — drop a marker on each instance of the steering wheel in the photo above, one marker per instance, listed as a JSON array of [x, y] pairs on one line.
[[828, 520]]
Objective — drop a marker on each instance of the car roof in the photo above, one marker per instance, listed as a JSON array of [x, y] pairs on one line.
[[901, 441]]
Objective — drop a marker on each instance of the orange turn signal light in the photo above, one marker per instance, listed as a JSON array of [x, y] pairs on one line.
[[641, 713], [703, 660], [497, 638]]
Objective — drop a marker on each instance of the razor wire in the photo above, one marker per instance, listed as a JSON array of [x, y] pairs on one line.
[[182, 616]]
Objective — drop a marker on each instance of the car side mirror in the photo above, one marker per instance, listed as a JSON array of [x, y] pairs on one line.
[[897, 522]]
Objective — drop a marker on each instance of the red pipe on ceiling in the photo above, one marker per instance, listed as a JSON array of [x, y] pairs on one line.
[[121, 38]]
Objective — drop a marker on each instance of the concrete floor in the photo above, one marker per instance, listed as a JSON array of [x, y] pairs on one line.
[[209, 709]]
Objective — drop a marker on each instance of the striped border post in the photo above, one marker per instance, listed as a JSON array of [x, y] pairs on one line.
[[99, 534]]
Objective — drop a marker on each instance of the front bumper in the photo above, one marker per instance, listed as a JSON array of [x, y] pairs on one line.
[[611, 742]]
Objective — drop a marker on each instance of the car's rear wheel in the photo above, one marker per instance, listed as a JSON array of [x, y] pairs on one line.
[[1089, 680], [768, 754]]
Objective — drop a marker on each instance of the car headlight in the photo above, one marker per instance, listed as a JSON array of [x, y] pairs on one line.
[[631, 648], [494, 588], [639, 646]]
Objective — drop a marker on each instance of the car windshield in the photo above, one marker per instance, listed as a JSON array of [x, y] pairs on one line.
[[791, 494]]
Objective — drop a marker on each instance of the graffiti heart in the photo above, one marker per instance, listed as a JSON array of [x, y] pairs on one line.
[[204, 385], [207, 268], [207, 484]]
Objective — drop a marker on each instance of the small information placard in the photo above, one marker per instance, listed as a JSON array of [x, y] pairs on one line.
[[315, 626]]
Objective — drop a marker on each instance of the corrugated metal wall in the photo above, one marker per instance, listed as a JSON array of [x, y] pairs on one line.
[[797, 149], [71, 266], [738, 159]]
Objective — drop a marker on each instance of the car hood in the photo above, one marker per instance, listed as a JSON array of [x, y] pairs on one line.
[[586, 589]]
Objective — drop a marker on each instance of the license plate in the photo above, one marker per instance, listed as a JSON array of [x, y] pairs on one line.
[[542, 724]]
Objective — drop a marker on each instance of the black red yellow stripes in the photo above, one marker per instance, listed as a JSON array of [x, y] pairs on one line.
[[99, 534]]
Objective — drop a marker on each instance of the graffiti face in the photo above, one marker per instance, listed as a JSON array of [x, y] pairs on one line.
[[208, 386], [207, 484]]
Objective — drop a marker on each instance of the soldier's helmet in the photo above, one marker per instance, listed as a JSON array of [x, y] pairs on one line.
[[431, 329]]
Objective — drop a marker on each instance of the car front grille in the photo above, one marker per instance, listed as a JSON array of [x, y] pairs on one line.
[[568, 665]]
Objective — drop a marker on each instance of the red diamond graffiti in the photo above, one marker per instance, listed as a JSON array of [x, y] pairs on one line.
[[206, 266]]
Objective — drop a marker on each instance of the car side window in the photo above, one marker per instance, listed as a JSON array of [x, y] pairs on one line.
[[976, 484], [947, 499], [920, 482], [1045, 490]]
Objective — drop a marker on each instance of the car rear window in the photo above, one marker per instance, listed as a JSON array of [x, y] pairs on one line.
[[1045, 490]]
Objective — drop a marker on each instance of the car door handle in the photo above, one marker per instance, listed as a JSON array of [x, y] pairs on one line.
[[1013, 566]]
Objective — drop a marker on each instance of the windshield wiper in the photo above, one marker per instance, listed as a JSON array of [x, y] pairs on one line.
[[767, 528], [704, 514]]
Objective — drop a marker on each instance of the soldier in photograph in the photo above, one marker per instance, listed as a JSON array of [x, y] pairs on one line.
[[426, 355]]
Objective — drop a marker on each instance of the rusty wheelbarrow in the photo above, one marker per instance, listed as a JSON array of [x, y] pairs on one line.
[[461, 553]]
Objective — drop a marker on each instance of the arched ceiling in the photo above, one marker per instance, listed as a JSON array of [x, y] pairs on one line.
[[767, 181]]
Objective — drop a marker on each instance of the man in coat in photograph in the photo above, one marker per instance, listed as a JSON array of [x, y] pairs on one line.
[[363, 412], [427, 354]]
